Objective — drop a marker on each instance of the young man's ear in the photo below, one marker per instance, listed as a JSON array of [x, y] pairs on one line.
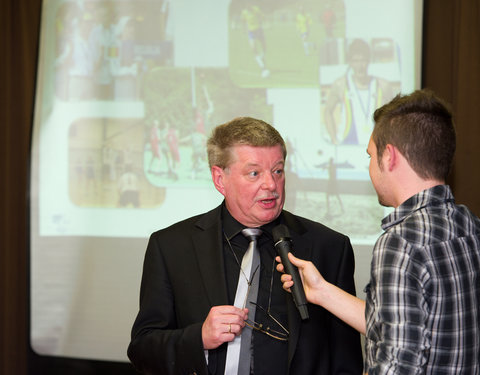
[[390, 157]]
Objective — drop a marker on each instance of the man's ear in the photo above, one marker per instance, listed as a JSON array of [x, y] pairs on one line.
[[218, 177], [390, 157]]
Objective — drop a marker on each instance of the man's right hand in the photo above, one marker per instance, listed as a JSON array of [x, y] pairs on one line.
[[311, 278], [344, 305], [223, 323]]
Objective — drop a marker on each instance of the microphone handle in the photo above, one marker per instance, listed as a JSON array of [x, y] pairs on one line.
[[283, 248]]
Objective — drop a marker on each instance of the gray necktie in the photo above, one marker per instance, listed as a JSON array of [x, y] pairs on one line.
[[239, 350]]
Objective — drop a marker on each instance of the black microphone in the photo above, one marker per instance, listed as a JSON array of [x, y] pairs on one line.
[[283, 245]]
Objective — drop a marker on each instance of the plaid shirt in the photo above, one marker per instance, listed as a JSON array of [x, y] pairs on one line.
[[423, 299]]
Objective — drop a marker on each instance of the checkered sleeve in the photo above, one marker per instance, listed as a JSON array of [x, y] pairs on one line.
[[398, 313]]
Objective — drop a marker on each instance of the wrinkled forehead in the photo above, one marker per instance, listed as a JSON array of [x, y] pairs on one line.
[[256, 154]]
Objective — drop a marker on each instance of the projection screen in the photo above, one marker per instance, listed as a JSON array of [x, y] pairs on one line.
[[127, 93]]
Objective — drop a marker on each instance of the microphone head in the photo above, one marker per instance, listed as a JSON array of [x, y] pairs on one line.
[[280, 232]]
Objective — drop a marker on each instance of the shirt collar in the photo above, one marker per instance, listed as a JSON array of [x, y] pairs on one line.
[[434, 196], [232, 227]]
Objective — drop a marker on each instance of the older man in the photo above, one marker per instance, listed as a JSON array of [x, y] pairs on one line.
[[196, 318]]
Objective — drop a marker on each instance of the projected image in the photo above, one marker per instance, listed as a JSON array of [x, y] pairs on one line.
[[334, 192], [319, 89], [103, 48], [280, 43], [352, 91], [105, 159]]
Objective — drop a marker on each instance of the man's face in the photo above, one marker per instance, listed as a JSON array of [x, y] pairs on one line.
[[359, 64], [253, 185], [377, 174]]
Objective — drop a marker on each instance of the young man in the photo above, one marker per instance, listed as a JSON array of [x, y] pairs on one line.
[[192, 311], [421, 312]]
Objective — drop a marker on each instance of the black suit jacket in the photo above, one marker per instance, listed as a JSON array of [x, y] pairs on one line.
[[184, 276]]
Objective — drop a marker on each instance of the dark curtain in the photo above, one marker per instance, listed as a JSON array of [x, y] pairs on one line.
[[451, 67], [19, 23]]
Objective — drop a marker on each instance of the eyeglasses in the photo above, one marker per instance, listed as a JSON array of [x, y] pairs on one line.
[[273, 333], [260, 327], [278, 335]]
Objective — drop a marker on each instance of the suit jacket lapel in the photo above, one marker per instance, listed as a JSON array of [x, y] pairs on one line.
[[208, 246]]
